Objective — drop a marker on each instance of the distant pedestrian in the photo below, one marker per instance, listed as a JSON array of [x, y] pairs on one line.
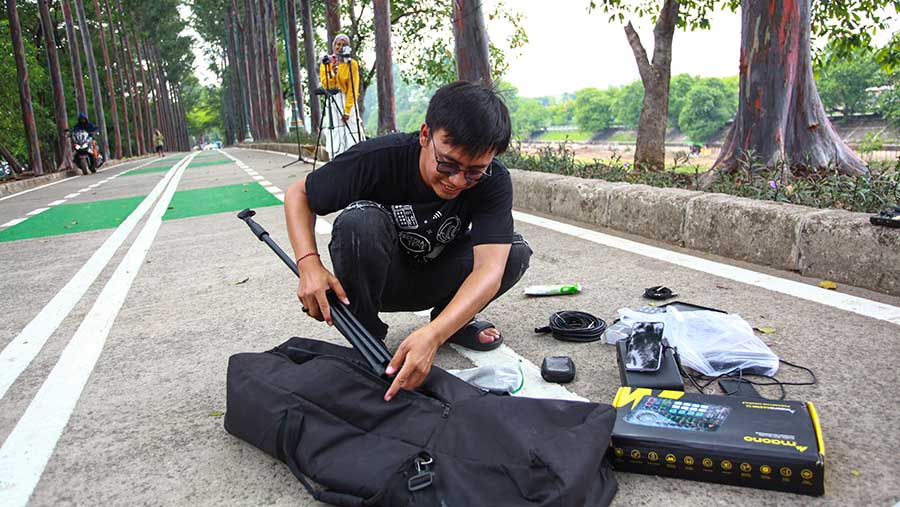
[[159, 141]]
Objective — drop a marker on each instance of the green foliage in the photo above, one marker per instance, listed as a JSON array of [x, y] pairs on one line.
[[825, 189], [842, 81], [627, 104], [706, 108], [593, 109], [871, 142], [12, 131], [678, 89], [204, 116], [565, 135]]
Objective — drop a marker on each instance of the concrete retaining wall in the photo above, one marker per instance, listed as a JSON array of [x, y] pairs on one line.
[[828, 244]]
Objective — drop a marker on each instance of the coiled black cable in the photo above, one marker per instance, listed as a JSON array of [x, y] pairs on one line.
[[574, 326]]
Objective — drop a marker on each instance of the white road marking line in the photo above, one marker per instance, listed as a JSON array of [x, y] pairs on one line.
[[14, 222], [57, 182], [95, 185], [84, 190], [57, 203], [265, 183], [29, 446], [858, 305], [258, 178], [322, 225], [19, 353], [73, 195], [37, 211]]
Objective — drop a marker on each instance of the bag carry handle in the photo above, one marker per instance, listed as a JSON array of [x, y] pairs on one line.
[[289, 437]]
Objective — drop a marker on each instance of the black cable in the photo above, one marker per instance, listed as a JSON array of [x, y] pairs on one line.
[[659, 293], [740, 375], [574, 326]]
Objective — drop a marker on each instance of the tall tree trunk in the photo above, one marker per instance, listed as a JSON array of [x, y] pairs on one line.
[[11, 160], [88, 44], [312, 73], [294, 63], [34, 148], [110, 89], [160, 99], [651, 135], [250, 41], [131, 78], [63, 147], [387, 116], [332, 21], [243, 75], [266, 66], [780, 117], [144, 92], [136, 104], [472, 54], [74, 58], [277, 90], [117, 61]]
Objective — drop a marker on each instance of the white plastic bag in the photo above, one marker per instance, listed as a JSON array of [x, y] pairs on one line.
[[506, 378], [711, 343], [714, 343]]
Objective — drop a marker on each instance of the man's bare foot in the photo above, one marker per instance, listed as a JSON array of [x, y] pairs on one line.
[[489, 335]]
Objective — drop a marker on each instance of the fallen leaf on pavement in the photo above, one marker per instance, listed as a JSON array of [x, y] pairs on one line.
[[216, 413], [855, 473], [723, 287], [239, 282], [765, 329], [828, 284]]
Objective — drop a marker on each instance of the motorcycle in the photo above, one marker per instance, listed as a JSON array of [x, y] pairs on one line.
[[83, 152]]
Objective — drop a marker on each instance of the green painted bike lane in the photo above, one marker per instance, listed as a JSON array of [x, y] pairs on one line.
[[107, 214]]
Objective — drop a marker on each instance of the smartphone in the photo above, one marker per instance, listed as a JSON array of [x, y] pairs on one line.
[[644, 348]]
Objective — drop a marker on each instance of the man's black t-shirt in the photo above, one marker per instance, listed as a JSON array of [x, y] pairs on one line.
[[386, 170]]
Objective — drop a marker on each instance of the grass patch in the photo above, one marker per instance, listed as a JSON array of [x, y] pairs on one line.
[[565, 135], [626, 136]]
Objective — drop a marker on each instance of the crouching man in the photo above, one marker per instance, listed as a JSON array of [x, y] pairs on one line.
[[403, 241]]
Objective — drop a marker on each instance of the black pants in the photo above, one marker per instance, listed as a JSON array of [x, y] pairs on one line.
[[379, 276]]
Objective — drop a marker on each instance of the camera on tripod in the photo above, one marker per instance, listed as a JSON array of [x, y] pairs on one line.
[[344, 54]]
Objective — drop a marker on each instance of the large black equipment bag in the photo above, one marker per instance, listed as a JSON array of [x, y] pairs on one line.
[[320, 409]]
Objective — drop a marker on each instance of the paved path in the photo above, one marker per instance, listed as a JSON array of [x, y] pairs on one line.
[[125, 292]]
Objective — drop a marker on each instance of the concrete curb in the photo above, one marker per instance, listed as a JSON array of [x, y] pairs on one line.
[[829, 244], [16, 186]]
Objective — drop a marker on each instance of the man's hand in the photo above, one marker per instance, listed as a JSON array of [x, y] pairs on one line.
[[346, 118], [415, 355], [314, 281]]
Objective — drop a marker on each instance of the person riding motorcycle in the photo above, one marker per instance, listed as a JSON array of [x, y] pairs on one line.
[[85, 125]]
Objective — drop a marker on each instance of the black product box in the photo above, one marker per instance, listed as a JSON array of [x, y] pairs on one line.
[[759, 443]]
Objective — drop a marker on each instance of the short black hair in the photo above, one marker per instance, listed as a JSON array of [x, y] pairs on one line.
[[473, 115]]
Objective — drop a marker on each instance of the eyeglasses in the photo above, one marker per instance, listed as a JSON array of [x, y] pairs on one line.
[[450, 169]]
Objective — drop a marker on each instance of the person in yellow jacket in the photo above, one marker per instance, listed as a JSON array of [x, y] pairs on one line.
[[342, 74]]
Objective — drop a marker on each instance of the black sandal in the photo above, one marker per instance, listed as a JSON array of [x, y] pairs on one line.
[[467, 336]]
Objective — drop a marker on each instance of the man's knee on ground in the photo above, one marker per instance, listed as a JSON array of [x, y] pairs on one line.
[[517, 262]]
